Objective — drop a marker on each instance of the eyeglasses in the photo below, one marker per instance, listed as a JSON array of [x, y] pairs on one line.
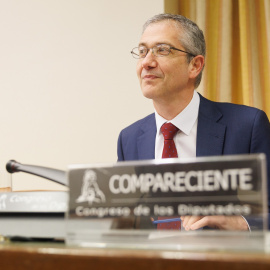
[[158, 50]]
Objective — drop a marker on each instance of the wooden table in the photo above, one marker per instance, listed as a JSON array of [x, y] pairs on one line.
[[56, 256]]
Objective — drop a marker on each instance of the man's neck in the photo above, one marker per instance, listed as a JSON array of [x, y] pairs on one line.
[[169, 109]]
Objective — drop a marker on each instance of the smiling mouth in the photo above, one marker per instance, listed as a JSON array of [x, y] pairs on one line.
[[149, 77]]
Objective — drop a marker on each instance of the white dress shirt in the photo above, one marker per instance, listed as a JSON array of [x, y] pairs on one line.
[[185, 139]]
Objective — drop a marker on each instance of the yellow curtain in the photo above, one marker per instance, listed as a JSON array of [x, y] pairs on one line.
[[237, 34]]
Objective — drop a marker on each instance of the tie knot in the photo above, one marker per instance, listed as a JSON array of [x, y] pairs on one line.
[[168, 130]]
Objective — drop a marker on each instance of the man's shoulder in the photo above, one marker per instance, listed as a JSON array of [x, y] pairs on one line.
[[148, 120], [227, 108]]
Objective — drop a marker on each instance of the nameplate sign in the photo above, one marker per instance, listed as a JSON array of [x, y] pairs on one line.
[[33, 202], [227, 185]]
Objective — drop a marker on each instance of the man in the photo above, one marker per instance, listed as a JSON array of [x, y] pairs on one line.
[[171, 58]]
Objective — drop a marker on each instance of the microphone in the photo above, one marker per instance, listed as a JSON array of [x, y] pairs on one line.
[[54, 175]]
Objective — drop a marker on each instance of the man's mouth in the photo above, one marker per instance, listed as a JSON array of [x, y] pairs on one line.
[[150, 77]]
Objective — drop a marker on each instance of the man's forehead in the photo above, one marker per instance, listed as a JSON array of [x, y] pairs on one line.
[[156, 43], [161, 32]]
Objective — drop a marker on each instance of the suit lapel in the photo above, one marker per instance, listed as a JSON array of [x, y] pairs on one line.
[[146, 141], [210, 133]]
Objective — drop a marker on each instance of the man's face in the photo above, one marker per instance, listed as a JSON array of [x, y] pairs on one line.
[[163, 78]]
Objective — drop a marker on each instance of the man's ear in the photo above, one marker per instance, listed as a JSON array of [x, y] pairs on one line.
[[195, 66]]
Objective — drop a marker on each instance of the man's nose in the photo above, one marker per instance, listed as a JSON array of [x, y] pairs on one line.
[[149, 61]]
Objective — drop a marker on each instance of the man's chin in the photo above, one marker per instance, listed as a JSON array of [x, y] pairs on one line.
[[149, 92]]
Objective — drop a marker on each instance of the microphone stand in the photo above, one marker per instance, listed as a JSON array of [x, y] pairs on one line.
[[54, 175]]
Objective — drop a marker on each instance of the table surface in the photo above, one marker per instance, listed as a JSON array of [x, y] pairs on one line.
[[36, 255]]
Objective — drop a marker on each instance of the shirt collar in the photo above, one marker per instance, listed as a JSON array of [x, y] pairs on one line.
[[185, 119]]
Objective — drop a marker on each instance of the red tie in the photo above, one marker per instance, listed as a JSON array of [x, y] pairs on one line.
[[169, 151]]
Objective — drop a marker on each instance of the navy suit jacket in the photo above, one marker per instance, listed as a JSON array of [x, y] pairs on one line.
[[223, 129]]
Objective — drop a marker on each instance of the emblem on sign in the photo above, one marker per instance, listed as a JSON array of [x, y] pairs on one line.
[[3, 201], [90, 191]]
